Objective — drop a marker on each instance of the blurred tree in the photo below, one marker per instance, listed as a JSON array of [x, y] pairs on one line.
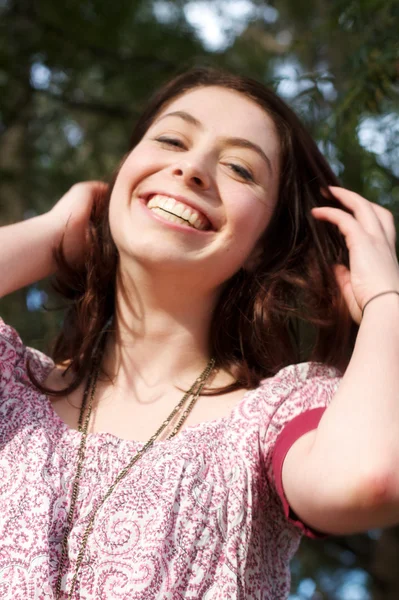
[[74, 76]]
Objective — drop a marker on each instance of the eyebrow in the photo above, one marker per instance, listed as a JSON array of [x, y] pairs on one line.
[[230, 141]]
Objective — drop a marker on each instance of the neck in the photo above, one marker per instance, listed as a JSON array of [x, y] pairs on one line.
[[161, 331]]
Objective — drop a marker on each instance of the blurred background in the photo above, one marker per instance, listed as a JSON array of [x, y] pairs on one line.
[[74, 75]]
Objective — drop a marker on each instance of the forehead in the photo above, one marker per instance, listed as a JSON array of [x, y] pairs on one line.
[[226, 112]]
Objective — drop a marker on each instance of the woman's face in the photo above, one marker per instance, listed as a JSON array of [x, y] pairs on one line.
[[198, 191]]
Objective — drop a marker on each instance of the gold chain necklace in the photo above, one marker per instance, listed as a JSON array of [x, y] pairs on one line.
[[194, 391]]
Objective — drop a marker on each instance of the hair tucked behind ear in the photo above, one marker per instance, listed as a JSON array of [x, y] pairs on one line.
[[288, 309]]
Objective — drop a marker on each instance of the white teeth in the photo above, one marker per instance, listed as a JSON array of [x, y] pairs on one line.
[[152, 203], [168, 216], [169, 204], [177, 211]]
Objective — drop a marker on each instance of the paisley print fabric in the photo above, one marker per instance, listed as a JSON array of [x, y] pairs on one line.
[[197, 517]]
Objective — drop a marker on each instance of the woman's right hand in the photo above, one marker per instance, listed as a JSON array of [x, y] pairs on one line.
[[70, 217], [27, 247]]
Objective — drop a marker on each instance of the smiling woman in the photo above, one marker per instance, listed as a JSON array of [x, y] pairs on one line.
[[196, 157], [198, 263]]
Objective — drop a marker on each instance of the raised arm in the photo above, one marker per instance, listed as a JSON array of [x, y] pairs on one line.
[[26, 248], [343, 477]]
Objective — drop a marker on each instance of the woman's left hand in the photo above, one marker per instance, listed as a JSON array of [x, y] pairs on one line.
[[370, 236]]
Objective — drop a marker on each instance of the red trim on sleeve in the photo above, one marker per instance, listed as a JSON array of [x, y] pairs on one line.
[[291, 432]]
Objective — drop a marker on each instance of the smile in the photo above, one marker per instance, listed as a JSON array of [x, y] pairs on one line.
[[177, 212]]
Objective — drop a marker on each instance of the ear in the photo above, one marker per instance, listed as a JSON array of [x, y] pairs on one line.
[[253, 259]]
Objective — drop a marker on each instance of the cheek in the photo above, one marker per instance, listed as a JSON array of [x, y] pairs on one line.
[[114, 220], [132, 171], [140, 163], [248, 213]]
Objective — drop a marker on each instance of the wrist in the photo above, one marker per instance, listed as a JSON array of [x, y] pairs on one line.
[[383, 302], [53, 235], [55, 228]]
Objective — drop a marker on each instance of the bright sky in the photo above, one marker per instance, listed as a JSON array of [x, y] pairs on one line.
[[216, 22]]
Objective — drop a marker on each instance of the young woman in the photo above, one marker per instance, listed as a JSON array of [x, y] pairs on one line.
[[186, 431]]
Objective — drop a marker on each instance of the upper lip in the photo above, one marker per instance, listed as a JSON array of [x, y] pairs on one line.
[[190, 203]]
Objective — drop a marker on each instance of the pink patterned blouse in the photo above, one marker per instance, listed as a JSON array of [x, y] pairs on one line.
[[200, 516]]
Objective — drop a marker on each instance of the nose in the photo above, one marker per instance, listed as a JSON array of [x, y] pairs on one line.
[[192, 174]]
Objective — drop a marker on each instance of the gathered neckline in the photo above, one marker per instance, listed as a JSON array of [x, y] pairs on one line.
[[105, 435]]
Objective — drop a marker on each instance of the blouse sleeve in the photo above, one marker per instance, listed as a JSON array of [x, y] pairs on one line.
[[14, 357], [297, 398], [12, 354]]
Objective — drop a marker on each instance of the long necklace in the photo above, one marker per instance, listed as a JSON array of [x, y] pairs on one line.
[[194, 391]]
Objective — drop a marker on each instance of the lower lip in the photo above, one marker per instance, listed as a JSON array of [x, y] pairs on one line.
[[175, 226]]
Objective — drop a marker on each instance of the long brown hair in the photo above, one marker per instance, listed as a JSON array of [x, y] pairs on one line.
[[287, 310]]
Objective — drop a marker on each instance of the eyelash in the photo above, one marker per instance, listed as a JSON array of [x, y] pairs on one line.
[[238, 169]]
